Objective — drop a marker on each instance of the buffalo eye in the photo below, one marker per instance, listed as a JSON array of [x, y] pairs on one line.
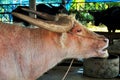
[[78, 30]]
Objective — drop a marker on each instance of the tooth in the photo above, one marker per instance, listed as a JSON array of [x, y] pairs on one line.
[[105, 55]]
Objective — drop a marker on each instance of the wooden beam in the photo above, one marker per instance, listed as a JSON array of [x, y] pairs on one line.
[[110, 35]]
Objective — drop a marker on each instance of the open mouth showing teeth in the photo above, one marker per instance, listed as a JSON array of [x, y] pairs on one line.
[[103, 51]]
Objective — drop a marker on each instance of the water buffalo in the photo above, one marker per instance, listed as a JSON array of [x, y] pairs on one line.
[[27, 53], [109, 17], [53, 10]]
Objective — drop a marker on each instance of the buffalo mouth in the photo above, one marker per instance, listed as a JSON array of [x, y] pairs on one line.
[[103, 52], [104, 49]]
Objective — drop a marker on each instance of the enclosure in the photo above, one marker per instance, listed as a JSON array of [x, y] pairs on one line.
[[81, 10]]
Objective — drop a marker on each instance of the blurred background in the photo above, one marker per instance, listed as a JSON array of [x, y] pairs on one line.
[[78, 7]]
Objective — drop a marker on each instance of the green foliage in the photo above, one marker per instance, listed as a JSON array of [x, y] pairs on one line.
[[111, 4], [81, 9]]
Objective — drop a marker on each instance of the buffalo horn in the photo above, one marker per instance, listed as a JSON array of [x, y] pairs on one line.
[[63, 24], [40, 14]]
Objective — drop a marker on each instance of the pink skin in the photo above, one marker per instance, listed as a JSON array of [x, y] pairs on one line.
[[26, 54]]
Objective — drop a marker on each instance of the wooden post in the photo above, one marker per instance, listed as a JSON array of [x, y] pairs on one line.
[[32, 5], [63, 2]]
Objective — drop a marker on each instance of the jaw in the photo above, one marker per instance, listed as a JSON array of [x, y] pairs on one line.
[[103, 51], [87, 53], [91, 52], [104, 54]]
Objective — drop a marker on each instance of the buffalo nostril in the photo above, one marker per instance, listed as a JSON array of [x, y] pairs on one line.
[[104, 38]]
